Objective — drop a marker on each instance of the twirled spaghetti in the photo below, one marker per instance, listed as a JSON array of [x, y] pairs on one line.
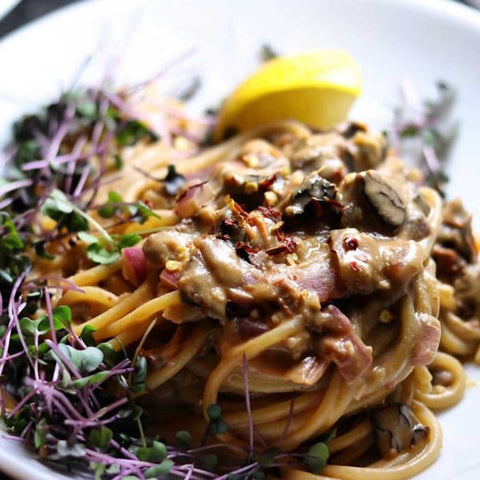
[[294, 269]]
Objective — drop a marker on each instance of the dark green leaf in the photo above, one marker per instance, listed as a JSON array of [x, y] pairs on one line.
[[109, 353], [133, 132], [100, 437], [267, 458], [214, 412], [128, 240], [208, 462], [108, 211], [409, 131], [41, 252], [87, 335], [10, 241], [144, 211], [184, 439], [140, 370], [62, 315], [118, 162], [317, 457], [154, 454]]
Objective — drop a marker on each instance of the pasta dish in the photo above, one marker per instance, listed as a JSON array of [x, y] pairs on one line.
[[289, 302]]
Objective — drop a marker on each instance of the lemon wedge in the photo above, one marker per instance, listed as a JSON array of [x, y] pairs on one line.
[[315, 88]]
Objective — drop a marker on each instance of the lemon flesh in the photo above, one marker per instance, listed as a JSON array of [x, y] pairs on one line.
[[316, 88]]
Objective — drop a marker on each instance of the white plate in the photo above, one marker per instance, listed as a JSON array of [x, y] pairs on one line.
[[428, 39]]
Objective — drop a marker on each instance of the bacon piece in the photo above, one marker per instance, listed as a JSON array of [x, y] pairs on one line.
[[318, 276], [427, 341], [170, 279], [341, 344]]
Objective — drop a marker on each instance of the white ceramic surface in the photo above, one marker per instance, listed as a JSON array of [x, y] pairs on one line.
[[426, 39]]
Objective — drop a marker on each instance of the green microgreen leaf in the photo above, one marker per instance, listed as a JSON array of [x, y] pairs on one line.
[[87, 109], [134, 131], [159, 470], [99, 253], [118, 162], [214, 412], [87, 335], [156, 453], [41, 252], [90, 380], [109, 353], [88, 238], [41, 430], [108, 211], [267, 458], [317, 457], [100, 437], [86, 361], [208, 462], [128, 240], [184, 439]]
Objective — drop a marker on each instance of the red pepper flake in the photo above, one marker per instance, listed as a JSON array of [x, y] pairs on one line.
[[271, 213], [239, 210], [148, 203], [350, 243], [267, 182], [354, 266], [243, 250], [289, 246], [276, 250], [291, 243]]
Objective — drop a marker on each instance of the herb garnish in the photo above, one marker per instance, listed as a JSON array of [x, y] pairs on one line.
[[429, 126]]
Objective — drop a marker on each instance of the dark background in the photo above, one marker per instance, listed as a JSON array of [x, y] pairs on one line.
[[28, 10]]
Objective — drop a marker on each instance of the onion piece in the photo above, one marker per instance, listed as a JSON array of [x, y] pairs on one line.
[[134, 266]]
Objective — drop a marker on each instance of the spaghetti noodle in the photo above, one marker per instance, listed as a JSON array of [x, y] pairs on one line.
[[317, 261]]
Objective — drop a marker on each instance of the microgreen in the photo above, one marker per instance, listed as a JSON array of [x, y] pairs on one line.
[[424, 132], [109, 210], [317, 457], [134, 131], [106, 251]]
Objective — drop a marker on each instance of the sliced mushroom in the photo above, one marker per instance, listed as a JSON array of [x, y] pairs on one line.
[[384, 199], [314, 189], [397, 429]]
